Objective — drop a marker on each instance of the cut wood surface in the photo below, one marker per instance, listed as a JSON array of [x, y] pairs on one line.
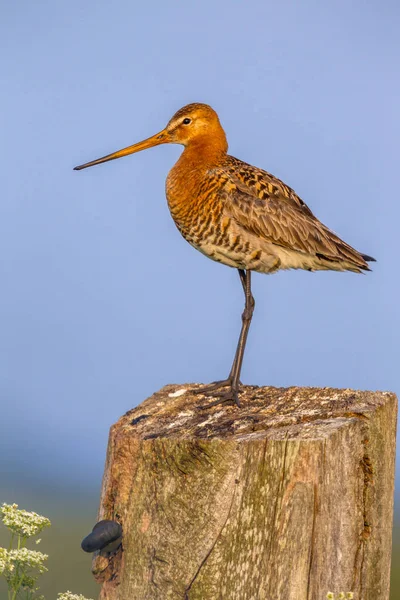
[[287, 498]]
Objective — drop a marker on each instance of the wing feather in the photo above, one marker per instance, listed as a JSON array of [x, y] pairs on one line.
[[266, 207]]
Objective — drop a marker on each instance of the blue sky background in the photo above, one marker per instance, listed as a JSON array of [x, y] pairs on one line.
[[102, 302]]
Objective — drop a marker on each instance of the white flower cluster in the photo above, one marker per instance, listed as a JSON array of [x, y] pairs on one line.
[[28, 558], [21, 567], [22, 522], [23, 558], [71, 596], [4, 563]]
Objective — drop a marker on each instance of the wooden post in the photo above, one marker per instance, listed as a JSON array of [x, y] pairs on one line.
[[287, 498]]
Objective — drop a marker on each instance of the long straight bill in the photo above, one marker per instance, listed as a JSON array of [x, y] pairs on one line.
[[155, 140]]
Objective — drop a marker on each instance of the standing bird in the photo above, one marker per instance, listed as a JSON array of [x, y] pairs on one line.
[[240, 216]]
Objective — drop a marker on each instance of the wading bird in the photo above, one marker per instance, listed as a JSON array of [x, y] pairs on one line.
[[240, 216]]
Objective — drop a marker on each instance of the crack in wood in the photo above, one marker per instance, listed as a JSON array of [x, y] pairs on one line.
[[278, 498], [315, 510], [203, 562]]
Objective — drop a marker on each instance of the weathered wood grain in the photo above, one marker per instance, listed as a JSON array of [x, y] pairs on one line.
[[287, 498]]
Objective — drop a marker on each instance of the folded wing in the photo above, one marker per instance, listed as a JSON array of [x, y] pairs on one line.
[[264, 206]]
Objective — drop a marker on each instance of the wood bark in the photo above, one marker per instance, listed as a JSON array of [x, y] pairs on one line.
[[287, 498]]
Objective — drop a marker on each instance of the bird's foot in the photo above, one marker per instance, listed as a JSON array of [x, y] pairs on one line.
[[211, 387], [215, 390]]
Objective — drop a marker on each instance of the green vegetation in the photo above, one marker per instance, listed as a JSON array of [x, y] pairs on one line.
[[20, 566]]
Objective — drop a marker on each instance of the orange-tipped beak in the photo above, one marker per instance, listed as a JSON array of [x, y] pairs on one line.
[[155, 140]]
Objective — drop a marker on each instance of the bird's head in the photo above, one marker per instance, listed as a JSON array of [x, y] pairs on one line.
[[191, 123], [194, 124]]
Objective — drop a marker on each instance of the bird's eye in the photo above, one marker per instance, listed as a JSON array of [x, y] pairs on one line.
[[186, 121]]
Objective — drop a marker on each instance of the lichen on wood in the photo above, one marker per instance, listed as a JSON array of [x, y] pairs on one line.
[[286, 498]]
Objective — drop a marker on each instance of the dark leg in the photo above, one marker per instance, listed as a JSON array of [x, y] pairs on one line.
[[233, 380], [228, 381]]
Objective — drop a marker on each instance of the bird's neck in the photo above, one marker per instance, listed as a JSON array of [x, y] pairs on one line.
[[187, 176], [205, 150]]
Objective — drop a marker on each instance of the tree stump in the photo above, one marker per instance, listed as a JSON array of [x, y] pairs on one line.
[[287, 498]]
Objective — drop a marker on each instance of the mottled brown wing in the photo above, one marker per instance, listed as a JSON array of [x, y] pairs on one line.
[[266, 207], [263, 184]]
